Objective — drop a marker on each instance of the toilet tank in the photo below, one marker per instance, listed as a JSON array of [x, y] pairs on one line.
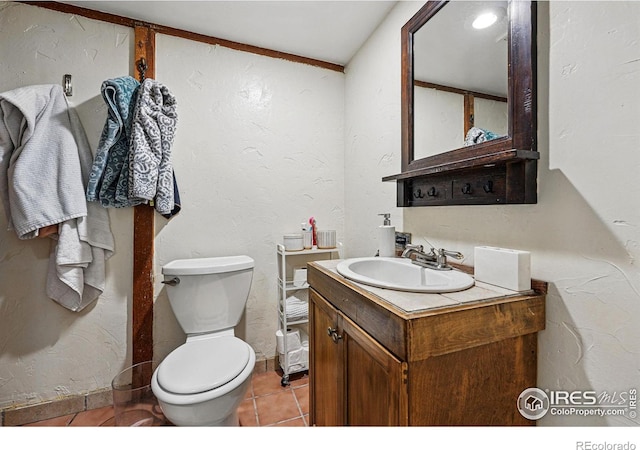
[[208, 294]]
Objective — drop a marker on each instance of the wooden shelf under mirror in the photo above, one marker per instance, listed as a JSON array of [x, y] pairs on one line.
[[502, 169]]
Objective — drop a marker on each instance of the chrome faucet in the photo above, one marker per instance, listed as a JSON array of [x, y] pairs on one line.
[[434, 259]]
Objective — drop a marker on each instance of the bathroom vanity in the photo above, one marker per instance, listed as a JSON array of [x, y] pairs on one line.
[[382, 357]]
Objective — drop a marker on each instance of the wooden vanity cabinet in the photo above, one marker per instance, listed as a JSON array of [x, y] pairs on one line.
[[373, 364], [350, 370]]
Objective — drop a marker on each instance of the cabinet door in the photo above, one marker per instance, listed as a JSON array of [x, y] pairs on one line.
[[375, 381], [325, 365]]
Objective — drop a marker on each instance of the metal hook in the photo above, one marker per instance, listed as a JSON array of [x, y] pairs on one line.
[[66, 84], [142, 68]]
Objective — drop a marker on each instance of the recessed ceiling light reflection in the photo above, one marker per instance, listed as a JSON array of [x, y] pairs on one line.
[[484, 21]]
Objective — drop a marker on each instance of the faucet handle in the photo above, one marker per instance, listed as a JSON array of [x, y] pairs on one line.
[[456, 255], [418, 247]]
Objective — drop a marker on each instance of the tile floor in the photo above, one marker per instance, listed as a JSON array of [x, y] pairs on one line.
[[267, 404]]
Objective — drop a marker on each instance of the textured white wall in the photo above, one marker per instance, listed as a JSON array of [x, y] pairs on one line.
[[372, 133], [491, 115], [47, 351], [583, 232], [259, 149], [439, 119]]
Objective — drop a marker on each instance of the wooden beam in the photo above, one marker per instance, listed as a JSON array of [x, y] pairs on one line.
[[162, 29], [143, 231], [455, 90], [469, 113]]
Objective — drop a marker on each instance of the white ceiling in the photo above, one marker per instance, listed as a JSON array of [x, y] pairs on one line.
[[330, 31], [450, 51]]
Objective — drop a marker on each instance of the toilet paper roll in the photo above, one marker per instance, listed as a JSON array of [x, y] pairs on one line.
[[293, 340]]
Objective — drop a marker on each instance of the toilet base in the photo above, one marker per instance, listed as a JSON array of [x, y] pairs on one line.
[[217, 412]]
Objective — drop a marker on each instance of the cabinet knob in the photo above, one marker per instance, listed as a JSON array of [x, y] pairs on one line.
[[333, 332], [466, 189]]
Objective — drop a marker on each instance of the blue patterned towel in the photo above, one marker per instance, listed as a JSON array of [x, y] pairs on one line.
[[477, 135], [108, 181], [154, 126]]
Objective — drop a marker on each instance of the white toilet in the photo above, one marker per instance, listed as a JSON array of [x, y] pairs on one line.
[[202, 382]]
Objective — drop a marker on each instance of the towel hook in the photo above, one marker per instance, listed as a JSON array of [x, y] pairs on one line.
[[142, 68], [66, 83]]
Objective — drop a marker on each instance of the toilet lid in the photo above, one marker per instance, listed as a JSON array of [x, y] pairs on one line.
[[200, 366]]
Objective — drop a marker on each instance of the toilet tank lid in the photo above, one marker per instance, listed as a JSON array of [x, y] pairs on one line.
[[203, 266]]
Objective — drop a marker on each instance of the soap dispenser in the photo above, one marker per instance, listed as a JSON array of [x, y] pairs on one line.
[[386, 237]]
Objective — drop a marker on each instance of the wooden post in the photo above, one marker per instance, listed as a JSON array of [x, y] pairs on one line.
[[469, 113], [143, 231]]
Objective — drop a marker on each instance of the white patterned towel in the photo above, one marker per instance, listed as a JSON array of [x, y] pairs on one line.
[[154, 125]]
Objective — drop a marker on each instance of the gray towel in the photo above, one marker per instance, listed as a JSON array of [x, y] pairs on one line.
[[45, 161], [40, 175], [154, 125], [77, 270]]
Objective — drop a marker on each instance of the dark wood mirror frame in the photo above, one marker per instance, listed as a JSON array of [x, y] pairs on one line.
[[501, 171]]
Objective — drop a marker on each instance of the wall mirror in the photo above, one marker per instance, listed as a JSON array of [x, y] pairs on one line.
[[468, 105]]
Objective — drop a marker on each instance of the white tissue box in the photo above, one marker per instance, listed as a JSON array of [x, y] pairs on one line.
[[503, 267], [300, 277]]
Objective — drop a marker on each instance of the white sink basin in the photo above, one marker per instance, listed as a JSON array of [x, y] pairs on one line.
[[400, 274]]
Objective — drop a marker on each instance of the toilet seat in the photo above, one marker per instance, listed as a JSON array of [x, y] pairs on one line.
[[201, 366]]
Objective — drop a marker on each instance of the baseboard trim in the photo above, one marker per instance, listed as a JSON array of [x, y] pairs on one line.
[[16, 415]]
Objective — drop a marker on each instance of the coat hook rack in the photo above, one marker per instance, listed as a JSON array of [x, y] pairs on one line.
[[142, 68], [66, 84]]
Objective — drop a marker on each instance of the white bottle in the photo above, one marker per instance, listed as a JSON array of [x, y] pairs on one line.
[[386, 237]]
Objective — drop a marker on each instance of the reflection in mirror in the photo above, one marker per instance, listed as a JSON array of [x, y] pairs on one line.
[[460, 78], [499, 164]]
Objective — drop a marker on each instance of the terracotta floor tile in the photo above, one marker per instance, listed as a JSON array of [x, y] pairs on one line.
[[275, 408], [302, 395], [267, 403], [61, 421], [249, 393], [267, 383], [299, 380], [92, 418], [298, 422], [247, 414]]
